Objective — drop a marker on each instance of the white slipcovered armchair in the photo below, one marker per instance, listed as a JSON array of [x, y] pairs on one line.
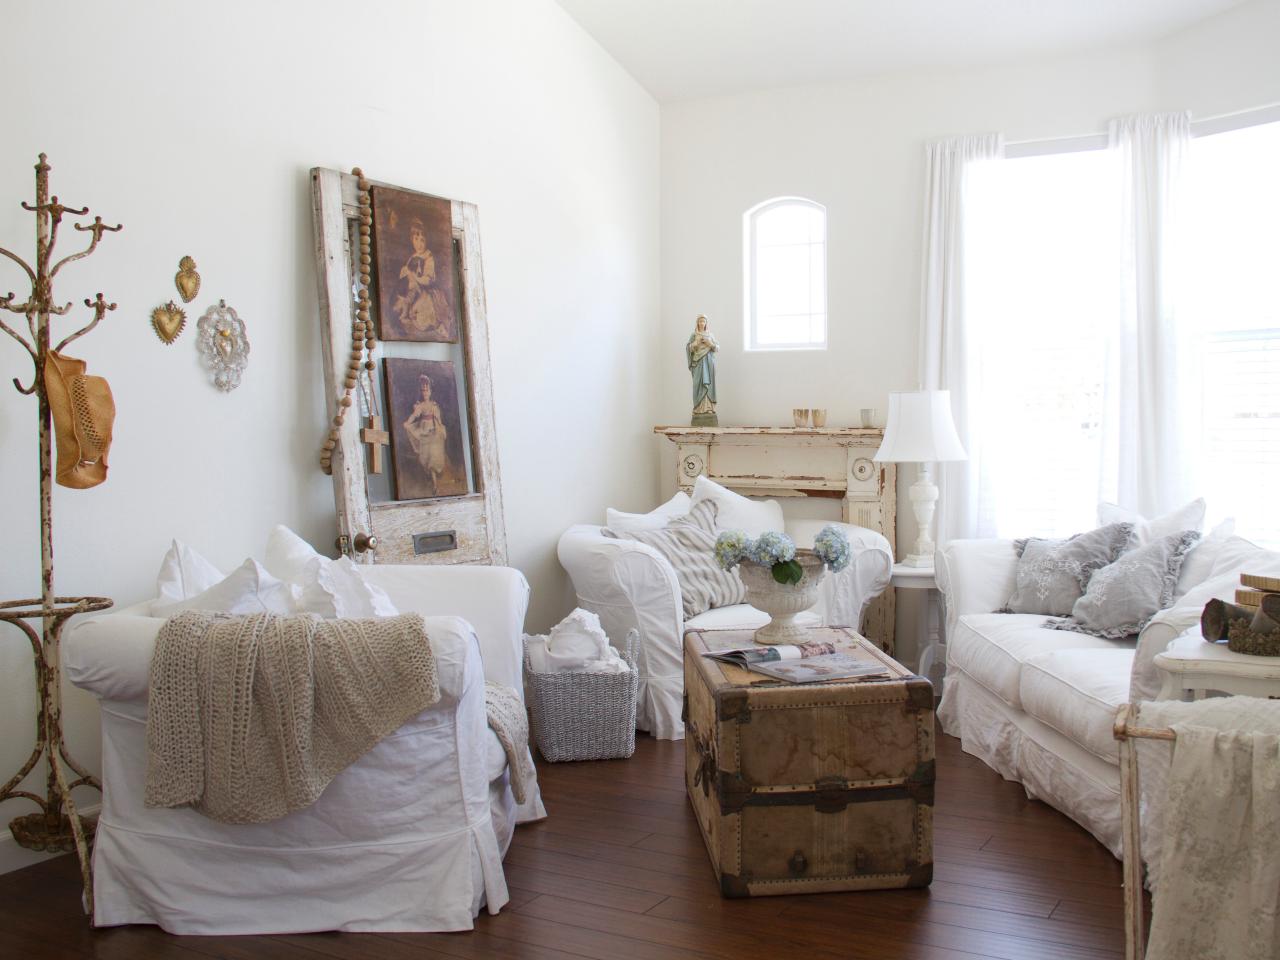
[[408, 838], [630, 585]]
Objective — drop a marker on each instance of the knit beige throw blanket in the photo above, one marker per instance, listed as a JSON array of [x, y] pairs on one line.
[[249, 718]]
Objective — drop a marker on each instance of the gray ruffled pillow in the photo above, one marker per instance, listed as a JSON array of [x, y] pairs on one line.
[[1052, 574], [1122, 597]]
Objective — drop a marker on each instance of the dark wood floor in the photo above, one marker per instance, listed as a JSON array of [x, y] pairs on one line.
[[618, 872]]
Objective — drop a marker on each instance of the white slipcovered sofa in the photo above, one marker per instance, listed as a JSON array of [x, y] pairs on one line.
[[408, 838], [1039, 705], [630, 585]]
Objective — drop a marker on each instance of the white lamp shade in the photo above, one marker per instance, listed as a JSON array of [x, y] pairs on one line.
[[920, 429]]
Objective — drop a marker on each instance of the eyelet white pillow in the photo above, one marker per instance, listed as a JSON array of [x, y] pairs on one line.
[[183, 574], [624, 523], [736, 512], [330, 588], [249, 588]]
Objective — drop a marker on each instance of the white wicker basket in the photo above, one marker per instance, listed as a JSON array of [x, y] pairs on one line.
[[584, 716]]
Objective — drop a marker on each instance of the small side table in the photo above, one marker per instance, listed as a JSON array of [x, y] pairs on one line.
[[929, 636], [1192, 666]]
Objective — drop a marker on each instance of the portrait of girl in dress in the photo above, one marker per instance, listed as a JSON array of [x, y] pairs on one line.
[[414, 266], [426, 429]]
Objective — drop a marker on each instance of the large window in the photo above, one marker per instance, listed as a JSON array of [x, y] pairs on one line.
[[1045, 294], [785, 275], [1042, 271], [1229, 294]]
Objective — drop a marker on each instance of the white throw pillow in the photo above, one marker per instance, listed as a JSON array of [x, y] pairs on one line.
[[183, 574], [249, 588], [287, 554], [1222, 587], [1239, 555], [623, 523], [1187, 517], [330, 588], [736, 512], [1198, 564], [1236, 556]]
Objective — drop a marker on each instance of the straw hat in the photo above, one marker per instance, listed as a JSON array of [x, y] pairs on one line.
[[83, 414]]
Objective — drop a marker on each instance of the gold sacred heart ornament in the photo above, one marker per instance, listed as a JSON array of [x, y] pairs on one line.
[[187, 280], [168, 321]]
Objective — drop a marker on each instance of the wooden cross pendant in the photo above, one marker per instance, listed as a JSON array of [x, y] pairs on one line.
[[376, 438]]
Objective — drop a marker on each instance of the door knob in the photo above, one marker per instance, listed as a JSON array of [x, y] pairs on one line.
[[362, 542]]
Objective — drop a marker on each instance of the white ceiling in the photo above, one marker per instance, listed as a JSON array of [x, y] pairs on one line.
[[683, 49]]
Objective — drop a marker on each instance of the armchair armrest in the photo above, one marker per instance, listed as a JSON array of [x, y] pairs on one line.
[[492, 599], [975, 576], [110, 656], [1160, 631], [630, 585], [843, 597]]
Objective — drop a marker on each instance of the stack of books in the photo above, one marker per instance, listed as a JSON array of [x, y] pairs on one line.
[[1253, 588]]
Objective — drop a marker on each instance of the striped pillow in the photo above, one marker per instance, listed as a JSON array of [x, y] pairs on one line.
[[688, 543]]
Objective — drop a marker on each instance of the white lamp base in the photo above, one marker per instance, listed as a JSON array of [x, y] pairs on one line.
[[924, 498]]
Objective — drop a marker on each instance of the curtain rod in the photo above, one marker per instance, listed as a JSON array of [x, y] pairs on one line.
[[1200, 127]]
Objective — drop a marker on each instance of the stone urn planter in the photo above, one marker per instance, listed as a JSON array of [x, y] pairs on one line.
[[782, 601]]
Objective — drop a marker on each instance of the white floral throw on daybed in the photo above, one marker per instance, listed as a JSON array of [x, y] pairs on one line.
[[1212, 836]]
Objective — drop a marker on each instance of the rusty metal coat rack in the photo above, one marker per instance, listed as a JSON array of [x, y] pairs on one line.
[[57, 826]]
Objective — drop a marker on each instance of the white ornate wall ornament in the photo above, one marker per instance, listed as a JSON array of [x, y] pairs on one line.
[[224, 345]]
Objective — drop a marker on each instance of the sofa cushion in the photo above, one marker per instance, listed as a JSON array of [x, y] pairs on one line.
[[249, 588], [992, 647], [1077, 692], [1122, 597], [688, 544], [742, 616], [184, 574], [1052, 574], [736, 512], [1187, 517], [620, 523]]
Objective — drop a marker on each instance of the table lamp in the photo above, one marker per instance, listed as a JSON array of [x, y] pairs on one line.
[[921, 430]]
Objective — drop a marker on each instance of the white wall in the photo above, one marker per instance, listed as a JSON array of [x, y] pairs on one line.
[[1223, 65], [197, 132], [858, 149]]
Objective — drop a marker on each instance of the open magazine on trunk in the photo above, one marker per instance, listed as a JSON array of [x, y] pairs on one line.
[[806, 663]]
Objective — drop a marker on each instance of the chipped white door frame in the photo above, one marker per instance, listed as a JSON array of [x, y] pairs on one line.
[[474, 523]]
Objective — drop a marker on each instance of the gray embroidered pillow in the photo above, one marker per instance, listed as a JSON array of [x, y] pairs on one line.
[[1122, 597], [688, 543], [1052, 574]]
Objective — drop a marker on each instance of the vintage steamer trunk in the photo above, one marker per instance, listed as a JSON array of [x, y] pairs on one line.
[[809, 788]]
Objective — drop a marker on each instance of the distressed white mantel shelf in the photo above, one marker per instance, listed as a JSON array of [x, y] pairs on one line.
[[834, 462]]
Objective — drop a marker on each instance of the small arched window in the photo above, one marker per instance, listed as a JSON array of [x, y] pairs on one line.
[[785, 275]]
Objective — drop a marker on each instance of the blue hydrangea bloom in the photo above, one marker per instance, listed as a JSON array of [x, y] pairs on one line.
[[771, 548], [731, 547], [832, 548]]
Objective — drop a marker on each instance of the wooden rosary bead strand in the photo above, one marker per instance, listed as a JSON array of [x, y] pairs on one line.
[[363, 337]]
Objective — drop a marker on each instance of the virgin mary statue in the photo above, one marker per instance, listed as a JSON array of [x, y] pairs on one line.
[[700, 352]]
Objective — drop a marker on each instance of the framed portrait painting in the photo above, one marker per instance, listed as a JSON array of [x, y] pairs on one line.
[[414, 266], [427, 456]]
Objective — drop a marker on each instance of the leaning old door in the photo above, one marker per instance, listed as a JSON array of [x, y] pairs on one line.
[[414, 456]]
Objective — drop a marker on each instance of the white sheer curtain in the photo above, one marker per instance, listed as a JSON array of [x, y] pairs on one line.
[[946, 354], [1152, 385], [1049, 313]]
